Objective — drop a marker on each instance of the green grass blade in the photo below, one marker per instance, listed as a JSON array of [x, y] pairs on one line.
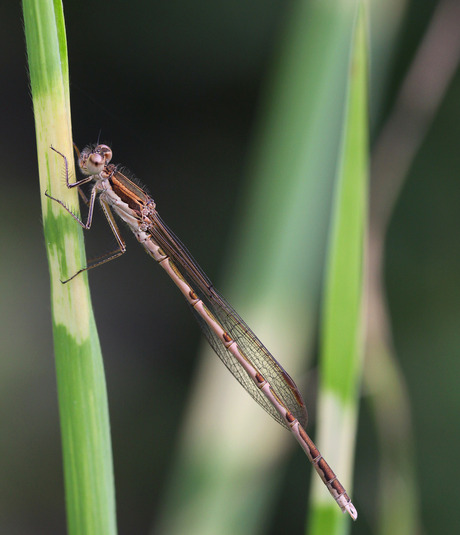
[[83, 409], [231, 460], [342, 328]]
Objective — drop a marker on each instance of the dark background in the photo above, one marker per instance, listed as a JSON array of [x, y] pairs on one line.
[[173, 87]]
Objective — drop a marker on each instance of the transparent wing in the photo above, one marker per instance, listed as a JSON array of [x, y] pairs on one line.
[[248, 343]]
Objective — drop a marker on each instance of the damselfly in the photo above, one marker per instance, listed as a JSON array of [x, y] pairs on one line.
[[233, 341]]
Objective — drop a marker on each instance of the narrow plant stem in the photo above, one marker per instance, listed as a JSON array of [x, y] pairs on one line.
[[419, 98], [83, 409], [342, 327]]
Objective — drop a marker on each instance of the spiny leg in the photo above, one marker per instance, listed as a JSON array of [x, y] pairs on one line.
[[66, 167], [110, 255], [77, 184], [89, 219], [107, 212]]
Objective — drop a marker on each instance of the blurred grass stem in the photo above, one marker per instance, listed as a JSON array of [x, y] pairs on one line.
[[418, 100]]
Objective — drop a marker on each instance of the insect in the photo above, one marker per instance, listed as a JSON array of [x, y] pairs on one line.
[[232, 340]]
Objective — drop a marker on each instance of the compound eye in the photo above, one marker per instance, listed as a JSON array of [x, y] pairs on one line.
[[105, 151], [93, 160]]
